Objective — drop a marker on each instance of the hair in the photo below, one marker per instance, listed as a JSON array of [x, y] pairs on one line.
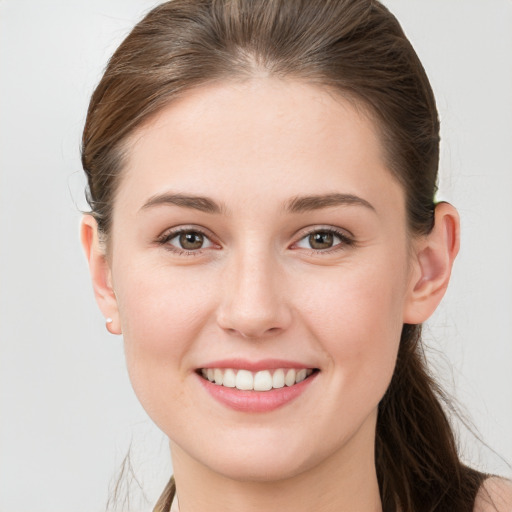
[[357, 48]]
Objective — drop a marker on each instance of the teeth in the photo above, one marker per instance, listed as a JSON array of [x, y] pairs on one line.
[[264, 380], [289, 380], [278, 379], [301, 375], [229, 378], [244, 380], [218, 375]]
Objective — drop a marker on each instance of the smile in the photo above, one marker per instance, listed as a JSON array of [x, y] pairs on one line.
[[264, 380]]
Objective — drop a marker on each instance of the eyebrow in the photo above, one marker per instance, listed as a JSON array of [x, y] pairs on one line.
[[298, 204], [301, 204], [203, 204]]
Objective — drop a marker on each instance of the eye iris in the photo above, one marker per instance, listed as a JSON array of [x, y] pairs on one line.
[[191, 240], [321, 240]]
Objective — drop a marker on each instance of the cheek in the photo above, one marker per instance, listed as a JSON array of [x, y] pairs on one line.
[[357, 317], [162, 314], [162, 308]]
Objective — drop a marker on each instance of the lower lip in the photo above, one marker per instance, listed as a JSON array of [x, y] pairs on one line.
[[256, 401]]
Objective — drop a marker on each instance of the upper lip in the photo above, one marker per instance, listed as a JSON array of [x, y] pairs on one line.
[[254, 366]]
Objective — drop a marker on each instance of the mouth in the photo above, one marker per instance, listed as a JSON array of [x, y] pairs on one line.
[[263, 380]]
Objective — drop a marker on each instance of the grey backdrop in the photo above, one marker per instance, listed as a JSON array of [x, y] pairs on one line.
[[67, 412]]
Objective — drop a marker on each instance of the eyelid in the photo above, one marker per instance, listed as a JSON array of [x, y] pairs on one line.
[[171, 233], [347, 238]]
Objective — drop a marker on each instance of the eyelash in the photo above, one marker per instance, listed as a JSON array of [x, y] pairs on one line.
[[345, 241], [168, 236]]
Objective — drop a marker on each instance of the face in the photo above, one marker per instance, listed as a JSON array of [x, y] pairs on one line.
[[260, 241]]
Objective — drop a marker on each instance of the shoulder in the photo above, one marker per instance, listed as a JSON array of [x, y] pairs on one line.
[[495, 495]]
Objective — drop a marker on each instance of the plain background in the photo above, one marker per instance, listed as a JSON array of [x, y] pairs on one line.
[[67, 411]]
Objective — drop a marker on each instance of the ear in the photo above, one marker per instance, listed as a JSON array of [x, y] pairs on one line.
[[433, 260], [101, 275]]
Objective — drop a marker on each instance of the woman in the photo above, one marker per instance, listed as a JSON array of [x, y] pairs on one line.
[[264, 235]]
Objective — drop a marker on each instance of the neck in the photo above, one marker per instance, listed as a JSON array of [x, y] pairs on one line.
[[343, 482]]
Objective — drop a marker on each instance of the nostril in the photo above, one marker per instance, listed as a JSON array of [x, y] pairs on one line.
[[256, 334]]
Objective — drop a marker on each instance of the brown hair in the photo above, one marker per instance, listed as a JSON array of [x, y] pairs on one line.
[[358, 48]]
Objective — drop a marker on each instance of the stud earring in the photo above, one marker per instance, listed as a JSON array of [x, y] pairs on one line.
[[108, 325]]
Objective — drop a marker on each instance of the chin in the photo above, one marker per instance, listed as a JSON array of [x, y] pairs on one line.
[[257, 456], [269, 470]]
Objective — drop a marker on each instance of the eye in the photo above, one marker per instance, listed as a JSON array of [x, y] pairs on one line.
[[186, 240], [324, 239]]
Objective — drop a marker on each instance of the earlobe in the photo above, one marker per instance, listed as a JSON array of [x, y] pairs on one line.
[[100, 272], [434, 257]]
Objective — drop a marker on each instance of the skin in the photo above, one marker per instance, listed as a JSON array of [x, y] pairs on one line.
[[257, 289], [494, 496]]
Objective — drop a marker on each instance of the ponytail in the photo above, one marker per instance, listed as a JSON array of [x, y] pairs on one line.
[[418, 465]]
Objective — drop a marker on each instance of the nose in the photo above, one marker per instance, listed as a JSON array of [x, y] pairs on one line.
[[253, 303]]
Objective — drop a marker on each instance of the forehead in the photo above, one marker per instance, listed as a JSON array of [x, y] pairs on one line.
[[256, 140]]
